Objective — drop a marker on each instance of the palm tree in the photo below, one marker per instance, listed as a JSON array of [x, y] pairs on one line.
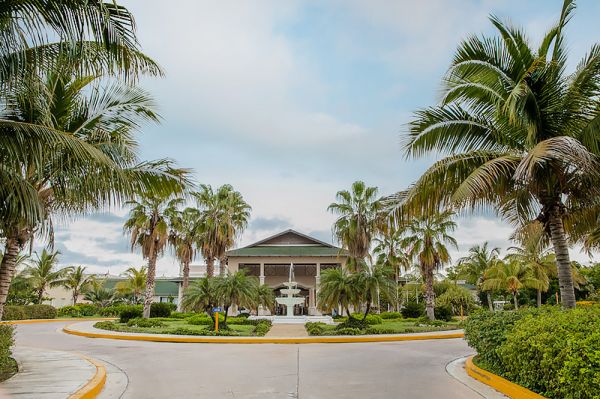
[[511, 276], [202, 295], [223, 217], [337, 289], [358, 219], [77, 281], [375, 281], [148, 225], [474, 266], [265, 297], [389, 251], [185, 237], [96, 164], [99, 295], [426, 238], [135, 284], [236, 289], [521, 134], [42, 274]]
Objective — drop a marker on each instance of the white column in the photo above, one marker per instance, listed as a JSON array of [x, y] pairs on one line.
[[316, 311], [262, 274]]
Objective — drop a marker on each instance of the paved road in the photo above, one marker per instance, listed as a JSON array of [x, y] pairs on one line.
[[411, 369]]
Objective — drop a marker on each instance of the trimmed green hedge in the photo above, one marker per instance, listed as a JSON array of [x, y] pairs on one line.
[[162, 309], [26, 312], [80, 310], [130, 312], [8, 366], [550, 351]]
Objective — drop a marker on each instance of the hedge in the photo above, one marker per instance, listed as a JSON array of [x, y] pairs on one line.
[[553, 352], [26, 312], [130, 312], [162, 309], [8, 365], [80, 310]]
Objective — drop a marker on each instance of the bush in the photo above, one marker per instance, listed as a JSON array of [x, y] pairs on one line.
[[7, 363], [555, 353], [375, 330], [106, 325], [130, 312], [187, 331], [262, 328], [81, 310], [144, 323], [443, 313], [413, 310], [425, 320], [203, 320], [182, 315], [13, 312], [161, 309], [315, 328], [24, 312], [352, 323], [348, 331], [390, 315], [114, 310]]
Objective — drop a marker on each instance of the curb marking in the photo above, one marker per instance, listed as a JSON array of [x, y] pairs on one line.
[[500, 384], [263, 340], [95, 385], [78, 319]]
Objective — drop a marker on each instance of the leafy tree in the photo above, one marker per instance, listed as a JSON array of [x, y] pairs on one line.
[[202, 295], [223, 217], [77, 282], [426, 238], [373, 282], [511, 276], [135, 283], [336, 289], [474, 266], [148, 225], [358, 219], [42, 274], [459, 299], [236, 289], [521, 135]]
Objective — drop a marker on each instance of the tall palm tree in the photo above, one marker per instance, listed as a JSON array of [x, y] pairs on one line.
[[98, 168], [148, 225], [77, 282], [236, 289], [185, 237], [223, 217], [43, 275], [426, 238], [389, 251], [474, 266], [521, 134], [135, 284], [337, 289], [373, 282], [511, 276], [358, 219]]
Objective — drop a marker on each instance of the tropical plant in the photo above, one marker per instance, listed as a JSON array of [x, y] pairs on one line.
[[185, 237], [265, 297], [148, 225], [521, 134], [77, 282], [223, 217], [236, 289], [202, 295], [473, 267], [99, 295], [42, 274], [358, 218], [134, 285], [426, 240], [511, 276], [337, 289], [374, 282]]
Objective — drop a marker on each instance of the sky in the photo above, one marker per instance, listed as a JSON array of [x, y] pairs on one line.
[[291, 101]]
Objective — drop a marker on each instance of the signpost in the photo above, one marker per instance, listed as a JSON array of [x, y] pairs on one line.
[[216, 311]]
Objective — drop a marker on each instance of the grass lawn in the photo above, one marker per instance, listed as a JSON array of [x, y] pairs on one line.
[[397, 326], [173, 325]]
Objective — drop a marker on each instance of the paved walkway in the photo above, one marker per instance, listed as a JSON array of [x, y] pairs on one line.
[[287, 330], [46, 374]]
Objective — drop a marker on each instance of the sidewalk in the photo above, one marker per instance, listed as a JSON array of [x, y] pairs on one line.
[[47, 374], [287, 330]]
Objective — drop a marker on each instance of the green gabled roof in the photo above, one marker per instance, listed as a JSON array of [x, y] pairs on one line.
[[292, 250], [162, 287]]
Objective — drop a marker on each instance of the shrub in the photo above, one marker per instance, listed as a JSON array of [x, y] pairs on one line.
[[221, 333], [348, 331], [245, 315], [81, 310], [443, 312], [141, 322], [373, 319], [315, 328], [262, 328], [13, 312], [87, 309], [413, 310], [130, 312], [375, 330], [161, 309], [425, 320], [187, 331], [456, 297], [203, 320], [106, 325], [390, 315], [352, 323], [7, 363], [182, 315], [555, 353]]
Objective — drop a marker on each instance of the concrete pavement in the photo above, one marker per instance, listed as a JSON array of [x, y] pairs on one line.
[[412, 369]]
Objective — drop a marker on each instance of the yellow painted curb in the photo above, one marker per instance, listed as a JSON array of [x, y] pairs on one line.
[[264, 340], [32, 321], [95, 385], [500, 384]]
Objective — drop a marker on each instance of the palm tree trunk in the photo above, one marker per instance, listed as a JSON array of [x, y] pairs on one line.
[[563, 263], [75, 295], [539, 298], [210, 267], [40, 296], [150, 281], [368, 308], [186, 276], [489, 301], [222, 266], [429, 295], [7, 269], [515, 300]]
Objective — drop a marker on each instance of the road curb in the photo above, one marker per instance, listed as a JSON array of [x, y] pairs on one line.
[[32, 321], [500, 384], [262, 340], [95, 385]]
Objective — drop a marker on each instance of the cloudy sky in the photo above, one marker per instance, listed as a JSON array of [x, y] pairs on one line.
[[291, 101]]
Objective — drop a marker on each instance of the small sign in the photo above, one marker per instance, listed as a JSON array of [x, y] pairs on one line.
[[216, 309]]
